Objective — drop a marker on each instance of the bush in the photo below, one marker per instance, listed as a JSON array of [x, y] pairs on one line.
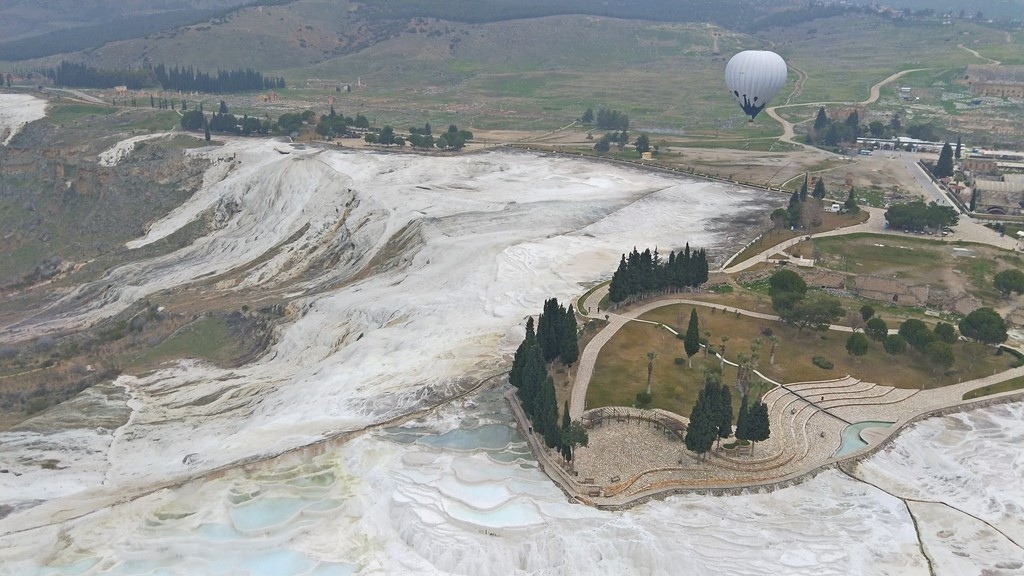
[[643, 400], [822, 362], [679, 361]]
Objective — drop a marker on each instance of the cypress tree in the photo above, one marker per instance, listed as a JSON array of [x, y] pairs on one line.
[[547, 414], [617, 287], [803, 189], [701, 432], [758, 428], [686, 276], [793, 209], [534, 373], [569, 343], [691, 343], [742, 421], [700, 268], [944, 166], [724, 422], [515, 375], [551, 329], [563, 444], [819, 189]]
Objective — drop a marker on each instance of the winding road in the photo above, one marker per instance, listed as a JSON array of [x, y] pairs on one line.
[[787, 127]]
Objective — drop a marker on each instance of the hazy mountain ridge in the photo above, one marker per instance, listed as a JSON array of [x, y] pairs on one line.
[[34, 29]]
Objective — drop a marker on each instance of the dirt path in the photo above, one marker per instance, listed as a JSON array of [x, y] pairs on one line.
[[979, 56], [787, 127]]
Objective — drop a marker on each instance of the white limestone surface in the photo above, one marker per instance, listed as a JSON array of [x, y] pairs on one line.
[[119, 152], [16, 110], [462, 250]]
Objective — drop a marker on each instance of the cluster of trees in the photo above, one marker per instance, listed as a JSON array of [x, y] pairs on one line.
[[789, 296], [645, 273], [529, 374], [795, 214], [334, 124], [619, 138], [192, 80], [223, 121], [82, 76], [828, 132], [556, 333], [606, 119], [182, 79], [453, 139], [935, 344], [917, 215], [711, 417], [292, 121]]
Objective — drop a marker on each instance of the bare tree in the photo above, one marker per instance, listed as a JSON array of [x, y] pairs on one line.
[[650, 369]]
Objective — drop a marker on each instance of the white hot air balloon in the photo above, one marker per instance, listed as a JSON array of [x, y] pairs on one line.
[[754, 77]]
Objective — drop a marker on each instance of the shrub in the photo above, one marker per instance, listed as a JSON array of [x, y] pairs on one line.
[[679, 361], [822, 362], [643, 400]]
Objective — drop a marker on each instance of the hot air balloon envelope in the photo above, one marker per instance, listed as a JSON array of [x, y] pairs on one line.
[[754, 77]]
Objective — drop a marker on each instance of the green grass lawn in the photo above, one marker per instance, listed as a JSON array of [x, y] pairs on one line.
[[1005, 386], [68, 113], [621, 371], [621, 368]]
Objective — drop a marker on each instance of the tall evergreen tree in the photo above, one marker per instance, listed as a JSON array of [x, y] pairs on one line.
[[724, 412], [548, 329], [959, 148], [819, 189], [794, 209], [803, 189], [547, 414], [691, 342], [758, 428], [944, 166], [741, 421], [569, 349], [701, 433], [820, 120], [515, 375]]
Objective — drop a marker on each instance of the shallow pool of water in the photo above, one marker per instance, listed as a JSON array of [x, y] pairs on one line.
[[851, 436]]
